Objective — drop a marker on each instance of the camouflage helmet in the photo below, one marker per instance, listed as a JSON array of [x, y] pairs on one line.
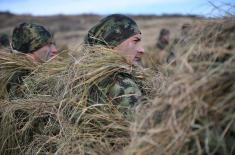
[[112, 31], [28, 37], [4, 40], [164, 32]]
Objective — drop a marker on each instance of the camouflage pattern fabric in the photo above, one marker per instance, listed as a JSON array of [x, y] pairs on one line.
[[112, 31], [28, 37], [121, 90], [124, 92]]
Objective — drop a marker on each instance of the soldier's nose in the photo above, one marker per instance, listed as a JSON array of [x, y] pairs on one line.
[[141, 50]]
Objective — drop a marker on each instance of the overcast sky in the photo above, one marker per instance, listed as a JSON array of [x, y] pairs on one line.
[[104, 7]]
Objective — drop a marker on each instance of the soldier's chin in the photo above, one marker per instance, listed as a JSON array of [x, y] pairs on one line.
[[137, 61]]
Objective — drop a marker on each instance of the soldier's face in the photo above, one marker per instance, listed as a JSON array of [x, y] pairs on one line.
[[45, 53], [166, 38], [132, 49]]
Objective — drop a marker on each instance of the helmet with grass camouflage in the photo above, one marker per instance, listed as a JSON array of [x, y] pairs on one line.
[[28, 37], [121, 88], [112, 31]]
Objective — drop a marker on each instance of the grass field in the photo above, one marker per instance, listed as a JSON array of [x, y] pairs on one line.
[[188, 109]]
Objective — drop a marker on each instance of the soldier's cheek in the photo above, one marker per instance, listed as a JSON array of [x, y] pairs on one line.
[[47, 55]]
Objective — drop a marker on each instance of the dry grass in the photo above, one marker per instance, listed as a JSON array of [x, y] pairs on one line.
[[9, 65], [55, 115], [192, 112], [195, 113]]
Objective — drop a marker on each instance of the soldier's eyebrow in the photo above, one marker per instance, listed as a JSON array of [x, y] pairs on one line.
[[137, 38]]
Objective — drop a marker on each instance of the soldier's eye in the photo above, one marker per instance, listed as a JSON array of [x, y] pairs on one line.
[[136, 40], [52, 43]]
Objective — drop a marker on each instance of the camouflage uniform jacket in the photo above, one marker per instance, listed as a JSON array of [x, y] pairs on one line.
[[121, 89]]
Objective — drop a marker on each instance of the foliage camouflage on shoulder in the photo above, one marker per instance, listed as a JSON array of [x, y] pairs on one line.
[[111, 31], [13, 86], [14, 68]]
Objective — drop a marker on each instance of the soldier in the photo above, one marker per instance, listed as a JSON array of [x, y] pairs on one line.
[[163, 39], [122, 34], [36, 43], [185, 33], [184, 37], [185, 28], [161, 47]]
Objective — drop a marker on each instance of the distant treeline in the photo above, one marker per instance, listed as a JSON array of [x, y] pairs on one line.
[[8, 13]]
